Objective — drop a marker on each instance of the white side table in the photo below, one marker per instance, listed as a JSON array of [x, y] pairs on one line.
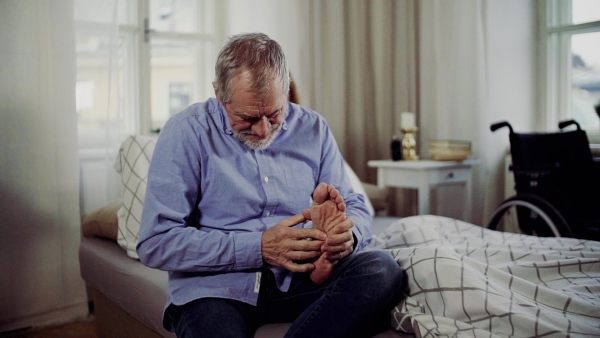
[[424, 175]]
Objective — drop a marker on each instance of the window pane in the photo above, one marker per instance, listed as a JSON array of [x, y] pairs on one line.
[[102, 11], [173, 78], [101, 84], [177, 16], [207, 16], [585, 80], [585, 11]]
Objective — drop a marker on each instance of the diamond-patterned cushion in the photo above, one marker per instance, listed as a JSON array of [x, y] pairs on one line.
[[133, 164]]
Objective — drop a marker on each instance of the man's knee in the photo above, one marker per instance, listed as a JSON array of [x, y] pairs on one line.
[[213, 317], [377, 271]]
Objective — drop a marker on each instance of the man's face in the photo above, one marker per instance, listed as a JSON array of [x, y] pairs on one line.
[[255, 119]]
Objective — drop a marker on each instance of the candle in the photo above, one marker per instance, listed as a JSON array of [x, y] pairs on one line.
[[407, 120]]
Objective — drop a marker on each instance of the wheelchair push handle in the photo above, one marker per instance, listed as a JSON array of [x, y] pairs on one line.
[[502, 124], [566, 123]]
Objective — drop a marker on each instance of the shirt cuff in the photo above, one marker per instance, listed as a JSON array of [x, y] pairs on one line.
[[247, 247]]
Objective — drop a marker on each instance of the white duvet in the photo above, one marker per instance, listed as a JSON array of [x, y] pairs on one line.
[[464, 280]]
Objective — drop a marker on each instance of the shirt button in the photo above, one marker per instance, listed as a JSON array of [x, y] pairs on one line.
[[266, 179]]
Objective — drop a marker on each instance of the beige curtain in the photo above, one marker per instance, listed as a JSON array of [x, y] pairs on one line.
[[363, 70]]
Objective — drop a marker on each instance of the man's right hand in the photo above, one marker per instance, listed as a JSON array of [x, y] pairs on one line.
[[283, 245]]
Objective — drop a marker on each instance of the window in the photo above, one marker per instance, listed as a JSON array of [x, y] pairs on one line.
[[571, 30], [138, 63]]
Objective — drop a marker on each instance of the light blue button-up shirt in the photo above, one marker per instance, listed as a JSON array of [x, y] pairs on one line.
[[209, 198]]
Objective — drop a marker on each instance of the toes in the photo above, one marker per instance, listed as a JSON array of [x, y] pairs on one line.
[[306, 213], [335, 196], [321, 193]]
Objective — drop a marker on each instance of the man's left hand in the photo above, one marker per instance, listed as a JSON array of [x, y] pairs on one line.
[[341, 244]]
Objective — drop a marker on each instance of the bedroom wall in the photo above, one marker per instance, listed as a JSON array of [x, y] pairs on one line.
[[511, 48], [283, 21]]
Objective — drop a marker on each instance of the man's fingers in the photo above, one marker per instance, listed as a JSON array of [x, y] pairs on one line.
[[334, 249], [303, 255], [300, 268], [338, 256], [301, 233], [309, 233], [339, 246], [291, 221], [306, 214], [290, 247], [337, 239], [304, 245]]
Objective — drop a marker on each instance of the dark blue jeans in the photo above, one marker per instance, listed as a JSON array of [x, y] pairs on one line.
[[355, 302]]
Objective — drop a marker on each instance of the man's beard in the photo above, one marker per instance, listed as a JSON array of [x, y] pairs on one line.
[[260, 144]]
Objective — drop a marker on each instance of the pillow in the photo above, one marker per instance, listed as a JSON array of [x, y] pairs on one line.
[[358, 188], [102, 222], [133, 164]]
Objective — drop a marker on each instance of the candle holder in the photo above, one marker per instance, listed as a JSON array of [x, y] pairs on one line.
[[409, 144]]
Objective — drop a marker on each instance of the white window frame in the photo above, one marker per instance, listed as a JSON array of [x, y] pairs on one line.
[[137, 89], [146, 34], [554, 58]]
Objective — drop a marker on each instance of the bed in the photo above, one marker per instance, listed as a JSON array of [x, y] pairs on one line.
[[463, 280]]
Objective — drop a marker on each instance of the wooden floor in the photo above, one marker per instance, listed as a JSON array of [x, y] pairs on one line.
[[79, 329]]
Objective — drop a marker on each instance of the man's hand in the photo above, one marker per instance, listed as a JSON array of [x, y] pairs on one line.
[[282, 245], [341, 244]]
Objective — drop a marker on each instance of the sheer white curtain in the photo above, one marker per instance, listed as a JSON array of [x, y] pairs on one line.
[[106, 100], [39, 179], [452, 79], [477, 66]]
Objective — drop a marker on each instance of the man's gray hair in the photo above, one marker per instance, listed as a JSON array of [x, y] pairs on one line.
[[255, 53]]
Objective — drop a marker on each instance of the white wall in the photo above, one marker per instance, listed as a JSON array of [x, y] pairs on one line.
[[282, 20], [511, 81]]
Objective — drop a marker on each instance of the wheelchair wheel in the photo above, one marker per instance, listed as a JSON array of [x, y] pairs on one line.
[[529, 214]]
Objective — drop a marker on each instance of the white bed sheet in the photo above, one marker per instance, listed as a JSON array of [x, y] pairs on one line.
[[464, 280]]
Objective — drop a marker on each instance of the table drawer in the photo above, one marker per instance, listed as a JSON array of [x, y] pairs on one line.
[[451, 175]]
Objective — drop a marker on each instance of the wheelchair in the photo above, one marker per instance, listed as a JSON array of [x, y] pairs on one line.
[[556, 180]]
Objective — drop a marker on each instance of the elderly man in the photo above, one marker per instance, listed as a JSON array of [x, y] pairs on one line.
[[228, 213]]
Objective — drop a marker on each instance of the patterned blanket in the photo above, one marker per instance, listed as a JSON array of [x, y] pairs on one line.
[[465, 280]]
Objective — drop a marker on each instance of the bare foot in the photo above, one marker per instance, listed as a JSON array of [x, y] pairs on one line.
[[326, 211]]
